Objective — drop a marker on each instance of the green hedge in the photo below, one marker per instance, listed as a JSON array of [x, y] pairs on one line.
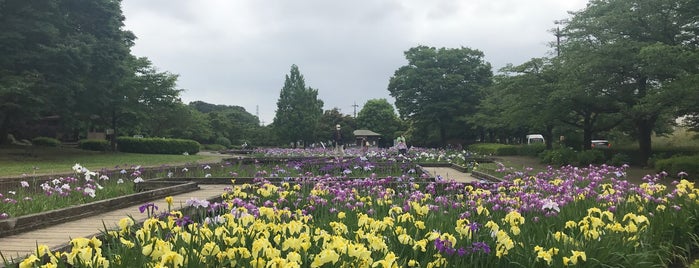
[[94, 145], [157, 145], [531, 149], [213, 147], [493, 149], [46, 141], [658, 153], [568, 156], [675, 165], [223, 141]]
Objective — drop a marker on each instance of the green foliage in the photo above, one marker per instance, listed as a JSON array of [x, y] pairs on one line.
[[493, 149], [332, 117], [223, 141], [559, 157], [157, 145], [46, 141], [619, 159], [531, 149], [213, 147], [231, 122], [298, 110], [589, 157], [695, 264], [94, 145], [379, 116], [675, 165], [646, 59], [438, 89]]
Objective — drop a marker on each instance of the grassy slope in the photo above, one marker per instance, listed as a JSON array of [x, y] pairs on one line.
[[15, 161]]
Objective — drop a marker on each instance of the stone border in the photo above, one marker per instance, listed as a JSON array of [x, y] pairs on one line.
[[26, 223], [475, 174]]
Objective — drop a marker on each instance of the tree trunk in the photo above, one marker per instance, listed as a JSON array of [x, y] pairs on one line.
[[548, 136], [3, 130], [587, 133], [645, 130], [112, 138], [443, 135]]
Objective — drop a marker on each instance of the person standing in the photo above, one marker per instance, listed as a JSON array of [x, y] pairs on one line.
[[401, 145], [337, 138], [365, 145]]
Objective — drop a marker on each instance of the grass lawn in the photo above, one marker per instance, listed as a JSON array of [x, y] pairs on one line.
[[34, 160]]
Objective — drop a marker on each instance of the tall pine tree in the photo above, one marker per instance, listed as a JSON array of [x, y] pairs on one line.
[[298, 110]]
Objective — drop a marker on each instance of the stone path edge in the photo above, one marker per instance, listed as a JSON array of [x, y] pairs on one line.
[[30, 222], [66, 247]]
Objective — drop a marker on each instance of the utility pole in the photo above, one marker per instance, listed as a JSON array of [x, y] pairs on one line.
[[558, 37], [355, 109]]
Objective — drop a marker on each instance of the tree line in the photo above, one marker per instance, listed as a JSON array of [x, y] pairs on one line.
[[626, 68]]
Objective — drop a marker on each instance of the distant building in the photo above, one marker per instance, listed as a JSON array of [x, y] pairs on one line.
[[370, 136]]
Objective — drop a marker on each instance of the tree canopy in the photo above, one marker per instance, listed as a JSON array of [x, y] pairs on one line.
[[298, 110], [439, 88], [632, 52], [379, 116]]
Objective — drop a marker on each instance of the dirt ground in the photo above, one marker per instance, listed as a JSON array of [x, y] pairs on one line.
[[634, 174]]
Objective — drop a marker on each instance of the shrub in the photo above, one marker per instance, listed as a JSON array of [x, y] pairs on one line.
[[675, 165], [223, 141], [559, 157], [531, 149], [589, 157], [94, 145], [157, 145], [46, 141], [213, 147], [493, 149], [619, 159]]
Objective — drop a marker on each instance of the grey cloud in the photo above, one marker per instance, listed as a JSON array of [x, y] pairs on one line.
[[238, 52]]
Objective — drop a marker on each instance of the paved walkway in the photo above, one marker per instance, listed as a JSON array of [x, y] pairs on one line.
[[450, 173], [60, 234]]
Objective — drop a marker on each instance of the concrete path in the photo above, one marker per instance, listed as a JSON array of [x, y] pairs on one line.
[[23, 244], [450, 173]]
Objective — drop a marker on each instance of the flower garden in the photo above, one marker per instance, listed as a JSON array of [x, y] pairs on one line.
[[577, 217]]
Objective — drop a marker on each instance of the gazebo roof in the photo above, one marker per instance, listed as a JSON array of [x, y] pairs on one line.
[[365, 132]]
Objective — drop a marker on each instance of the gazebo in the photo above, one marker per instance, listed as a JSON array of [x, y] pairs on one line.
[[370, 136]]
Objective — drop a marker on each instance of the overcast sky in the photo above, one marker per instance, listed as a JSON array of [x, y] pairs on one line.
[[237, 52]]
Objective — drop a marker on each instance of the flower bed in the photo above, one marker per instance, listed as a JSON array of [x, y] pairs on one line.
[[16, 225], [588, 217]]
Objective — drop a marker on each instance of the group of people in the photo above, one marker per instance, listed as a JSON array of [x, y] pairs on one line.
[[401, 145]]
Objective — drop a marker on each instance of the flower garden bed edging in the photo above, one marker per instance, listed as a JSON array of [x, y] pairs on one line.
[[188, 211], [475, 174], [485, 176], [26, 223]]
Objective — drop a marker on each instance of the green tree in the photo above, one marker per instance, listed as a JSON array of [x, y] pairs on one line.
[[230, 121], [184, 122], [633, 51], [298, 110], [30, 45], [107, 92], [328, 121], [379, 116], [155, 99], [440, 88], [520, 103]]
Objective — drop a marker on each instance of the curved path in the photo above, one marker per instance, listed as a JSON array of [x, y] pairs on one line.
[[57, 236]]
